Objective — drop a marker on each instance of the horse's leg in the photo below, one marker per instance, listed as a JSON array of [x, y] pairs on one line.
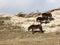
[[32, 31], [40, 22], [41, 29], [46, 20]]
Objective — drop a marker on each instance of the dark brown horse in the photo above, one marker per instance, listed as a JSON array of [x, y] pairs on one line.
[[47, 15], [35, 27]]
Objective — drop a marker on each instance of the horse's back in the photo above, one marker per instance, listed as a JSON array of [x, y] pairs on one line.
[[47, 14], [40, 19]]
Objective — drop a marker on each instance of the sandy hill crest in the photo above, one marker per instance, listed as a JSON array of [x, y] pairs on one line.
[[29, 15]]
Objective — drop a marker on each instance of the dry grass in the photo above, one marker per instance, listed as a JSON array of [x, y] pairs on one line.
[[14, 35], [5, 18], [26, 38]]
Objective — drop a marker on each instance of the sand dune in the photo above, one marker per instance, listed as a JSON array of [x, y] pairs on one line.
[[53, 26]]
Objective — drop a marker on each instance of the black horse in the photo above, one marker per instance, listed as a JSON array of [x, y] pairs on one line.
[[35, 27], [41, 19], [47, 17]]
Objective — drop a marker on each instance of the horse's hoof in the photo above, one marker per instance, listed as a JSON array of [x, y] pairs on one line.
[[32, 32]]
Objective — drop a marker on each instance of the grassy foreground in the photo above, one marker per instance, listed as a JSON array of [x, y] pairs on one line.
[[14, 35], [19, 37]]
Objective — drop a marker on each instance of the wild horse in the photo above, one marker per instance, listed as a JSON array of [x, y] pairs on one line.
[[35, 27]]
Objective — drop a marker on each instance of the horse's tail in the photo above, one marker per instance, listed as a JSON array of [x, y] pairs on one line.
[[50, 15], [51, 19]]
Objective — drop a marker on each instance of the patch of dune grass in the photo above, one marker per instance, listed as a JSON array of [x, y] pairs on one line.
[[52, 26], [17, 32], [1, 22], [41, 39], [5, 18], [58, 25], [22, 34]]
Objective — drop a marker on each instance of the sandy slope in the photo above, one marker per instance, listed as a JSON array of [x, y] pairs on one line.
[[26, 22], [50, 27], [55, 24]]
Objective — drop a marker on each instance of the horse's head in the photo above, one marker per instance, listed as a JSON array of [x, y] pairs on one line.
[[39, 19]]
